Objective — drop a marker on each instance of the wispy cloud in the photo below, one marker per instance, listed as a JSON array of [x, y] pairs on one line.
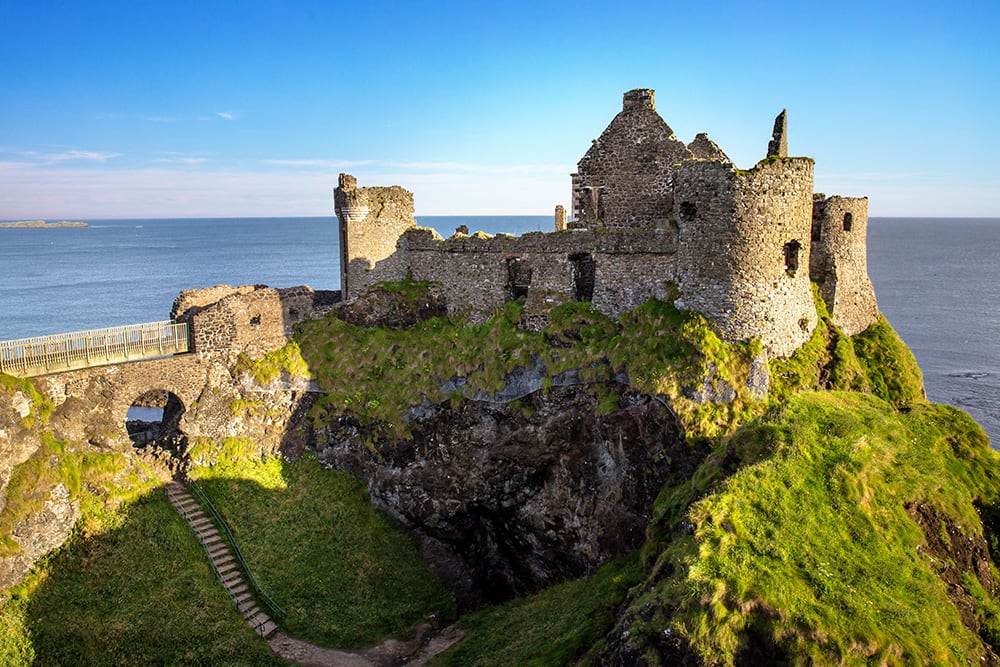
[[181, 159], [320, 164], [70, 155], [462, 167], [227, 115], [422, 166]]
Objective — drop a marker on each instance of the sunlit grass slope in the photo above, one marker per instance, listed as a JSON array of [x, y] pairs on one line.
[[809, 550]]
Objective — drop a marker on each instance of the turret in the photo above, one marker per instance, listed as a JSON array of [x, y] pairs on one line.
[[839, 261], [372, 220], [743, 247]]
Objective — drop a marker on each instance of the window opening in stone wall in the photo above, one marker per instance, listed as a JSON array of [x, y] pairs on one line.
[[817, 230], [792, 257], [848, 222], [584, 271], [255, 321], [688, 211], [518, 278]]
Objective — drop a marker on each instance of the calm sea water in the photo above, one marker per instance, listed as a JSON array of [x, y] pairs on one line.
[[937, 280]]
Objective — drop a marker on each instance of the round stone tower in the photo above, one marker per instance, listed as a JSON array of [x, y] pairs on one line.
[[743, 249]]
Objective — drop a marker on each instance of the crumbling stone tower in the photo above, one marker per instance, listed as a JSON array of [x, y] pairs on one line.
[[372, 220], [838, 262], [625, 179], [743, 249]]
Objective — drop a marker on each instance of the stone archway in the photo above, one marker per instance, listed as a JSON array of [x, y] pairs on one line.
[[153, 423]]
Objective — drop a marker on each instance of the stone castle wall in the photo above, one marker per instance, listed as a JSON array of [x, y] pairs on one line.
[[371, 221], [838, 261], [478, 274], [743, 255]]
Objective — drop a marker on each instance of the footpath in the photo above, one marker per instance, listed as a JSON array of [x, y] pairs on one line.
[[427, 642]]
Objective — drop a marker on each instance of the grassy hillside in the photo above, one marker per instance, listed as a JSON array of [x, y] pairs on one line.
[[346, 574], [836, 522], [816, 548]]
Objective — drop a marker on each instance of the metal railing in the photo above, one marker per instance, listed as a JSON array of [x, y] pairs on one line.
[[41, 355], [276, 613]]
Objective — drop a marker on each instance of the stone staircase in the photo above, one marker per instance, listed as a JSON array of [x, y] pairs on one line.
[[223, 561]]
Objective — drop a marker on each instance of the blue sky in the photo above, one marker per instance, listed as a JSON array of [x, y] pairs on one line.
[[173, 109]]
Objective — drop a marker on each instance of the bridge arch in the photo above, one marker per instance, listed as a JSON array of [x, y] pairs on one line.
[[153, 420]]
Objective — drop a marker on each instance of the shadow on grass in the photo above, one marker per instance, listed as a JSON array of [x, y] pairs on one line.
[[346, 574], [142, 592]]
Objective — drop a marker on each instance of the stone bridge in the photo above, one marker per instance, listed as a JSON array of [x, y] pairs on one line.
[[223, 323]]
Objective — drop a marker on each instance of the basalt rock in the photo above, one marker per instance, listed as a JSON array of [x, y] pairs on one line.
[[511, 497]]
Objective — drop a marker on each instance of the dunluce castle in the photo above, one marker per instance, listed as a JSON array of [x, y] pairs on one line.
[[652, 217]]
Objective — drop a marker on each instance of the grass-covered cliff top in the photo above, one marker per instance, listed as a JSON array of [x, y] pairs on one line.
[[377, 374], [838, 520]]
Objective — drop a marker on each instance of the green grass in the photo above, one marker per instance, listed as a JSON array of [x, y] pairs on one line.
[[554, 627], [139, 592], [662, 349], [345, 573], [807, 546]]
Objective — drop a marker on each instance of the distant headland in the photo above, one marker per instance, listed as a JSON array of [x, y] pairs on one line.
[[41, 224]]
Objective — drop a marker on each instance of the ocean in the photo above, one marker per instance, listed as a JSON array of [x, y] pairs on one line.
[[937, 280]]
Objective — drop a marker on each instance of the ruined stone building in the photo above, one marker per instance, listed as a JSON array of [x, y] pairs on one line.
[[652, 217]]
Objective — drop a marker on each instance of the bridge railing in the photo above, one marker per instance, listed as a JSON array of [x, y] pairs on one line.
[[28, 357]]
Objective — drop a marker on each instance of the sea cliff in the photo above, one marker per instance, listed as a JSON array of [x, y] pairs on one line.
[[720, 507]]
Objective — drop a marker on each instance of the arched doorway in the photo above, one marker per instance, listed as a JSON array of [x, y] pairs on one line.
[[153, 422]]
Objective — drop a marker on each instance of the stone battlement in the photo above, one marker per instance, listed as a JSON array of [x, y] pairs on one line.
[[652, 217]]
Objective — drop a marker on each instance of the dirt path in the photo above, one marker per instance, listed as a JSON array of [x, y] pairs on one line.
[[427, 643]]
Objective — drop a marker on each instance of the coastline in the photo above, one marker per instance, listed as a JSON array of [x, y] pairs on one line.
[[42, 224]]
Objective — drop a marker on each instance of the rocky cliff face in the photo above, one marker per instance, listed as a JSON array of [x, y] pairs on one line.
[[511, 497]]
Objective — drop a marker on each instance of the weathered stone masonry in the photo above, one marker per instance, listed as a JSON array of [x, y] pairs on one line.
[[649, 212]]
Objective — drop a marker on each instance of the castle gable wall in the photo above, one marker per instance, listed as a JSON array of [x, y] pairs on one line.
[[624, 180]]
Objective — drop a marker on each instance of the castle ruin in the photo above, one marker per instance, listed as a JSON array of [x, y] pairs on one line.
[[652, 217]]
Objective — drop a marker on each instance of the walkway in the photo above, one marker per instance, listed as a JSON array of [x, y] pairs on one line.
[[28, 357], [426, 644]]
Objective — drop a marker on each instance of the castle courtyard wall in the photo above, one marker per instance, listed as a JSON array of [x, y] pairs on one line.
[[629, 268]]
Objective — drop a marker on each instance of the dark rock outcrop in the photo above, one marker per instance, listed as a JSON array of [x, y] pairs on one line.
[[511, 497]]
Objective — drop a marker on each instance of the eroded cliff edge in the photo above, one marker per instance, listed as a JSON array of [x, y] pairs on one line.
[[522, 459]]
